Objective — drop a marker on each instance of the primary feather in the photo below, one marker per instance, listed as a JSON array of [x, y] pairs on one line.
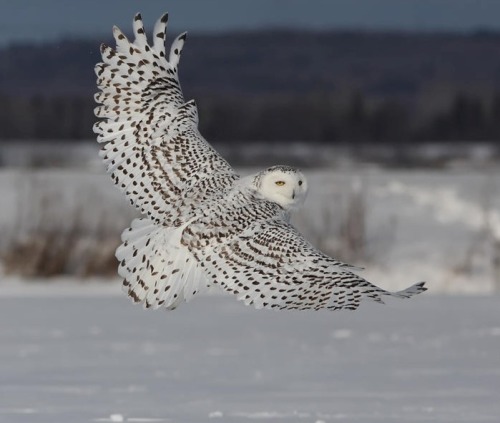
[[151, 143], [203, 224]]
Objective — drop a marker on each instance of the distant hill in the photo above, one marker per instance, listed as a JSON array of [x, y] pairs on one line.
[[394, 64], [331, 87]]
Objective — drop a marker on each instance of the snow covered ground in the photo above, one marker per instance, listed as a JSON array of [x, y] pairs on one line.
[[87, 355], [77, 351]]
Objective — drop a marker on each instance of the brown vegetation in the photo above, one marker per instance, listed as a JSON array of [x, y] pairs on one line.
[[55, 235], [312, 117]]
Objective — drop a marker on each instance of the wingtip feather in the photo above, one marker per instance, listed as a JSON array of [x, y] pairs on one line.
[[415, 289]]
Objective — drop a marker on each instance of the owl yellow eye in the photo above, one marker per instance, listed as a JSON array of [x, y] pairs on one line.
[[280, 183]]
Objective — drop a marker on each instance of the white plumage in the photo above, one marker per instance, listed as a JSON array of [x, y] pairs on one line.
[[203, 224]]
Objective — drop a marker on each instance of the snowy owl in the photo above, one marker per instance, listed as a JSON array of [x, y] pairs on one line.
[[203, 224]]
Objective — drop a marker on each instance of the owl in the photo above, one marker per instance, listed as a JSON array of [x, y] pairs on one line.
[[203, 225]]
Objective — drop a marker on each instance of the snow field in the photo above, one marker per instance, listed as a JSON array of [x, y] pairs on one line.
[[97, 358], [78, 351]]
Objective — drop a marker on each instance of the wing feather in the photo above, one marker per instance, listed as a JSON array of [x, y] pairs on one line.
[[151, 144], [159, 34], [140, 34], [271, 265]]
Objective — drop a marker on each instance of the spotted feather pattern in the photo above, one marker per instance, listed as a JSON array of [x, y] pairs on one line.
[[151, 144], [204, 225], [254, 253], [157, 270]]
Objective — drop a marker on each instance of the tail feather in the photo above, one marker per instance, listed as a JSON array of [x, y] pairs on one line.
[[157, 270]]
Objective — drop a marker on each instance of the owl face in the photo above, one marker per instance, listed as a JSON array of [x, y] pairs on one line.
[[283, 185]]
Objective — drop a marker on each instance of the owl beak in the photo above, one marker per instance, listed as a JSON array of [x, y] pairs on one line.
[[293, 195]]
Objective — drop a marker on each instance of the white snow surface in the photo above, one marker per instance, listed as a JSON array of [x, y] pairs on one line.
[[78, 351], [87, 356]]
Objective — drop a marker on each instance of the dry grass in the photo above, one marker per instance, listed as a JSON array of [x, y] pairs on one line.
[[55, 236], [51, 252], [341, 228], [482, 252], [496, 264]]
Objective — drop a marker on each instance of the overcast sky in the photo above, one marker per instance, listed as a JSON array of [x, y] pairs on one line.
[[47, 19]]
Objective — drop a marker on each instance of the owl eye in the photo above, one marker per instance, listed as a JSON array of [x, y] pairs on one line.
[[280, 183], [300, 183]]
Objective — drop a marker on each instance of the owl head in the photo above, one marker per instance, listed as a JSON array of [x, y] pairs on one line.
[[284, 185]]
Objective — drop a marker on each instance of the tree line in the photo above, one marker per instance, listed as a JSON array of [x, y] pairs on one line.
[[318, 117], [326, 86]]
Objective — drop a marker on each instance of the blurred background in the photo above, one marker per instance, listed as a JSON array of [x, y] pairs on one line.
[[391, 107]]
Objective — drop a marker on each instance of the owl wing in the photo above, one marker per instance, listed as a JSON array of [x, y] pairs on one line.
[[151, 143], [271, 265]]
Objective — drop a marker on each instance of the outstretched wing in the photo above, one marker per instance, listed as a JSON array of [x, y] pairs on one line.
[[270, 265], [151, 143]]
